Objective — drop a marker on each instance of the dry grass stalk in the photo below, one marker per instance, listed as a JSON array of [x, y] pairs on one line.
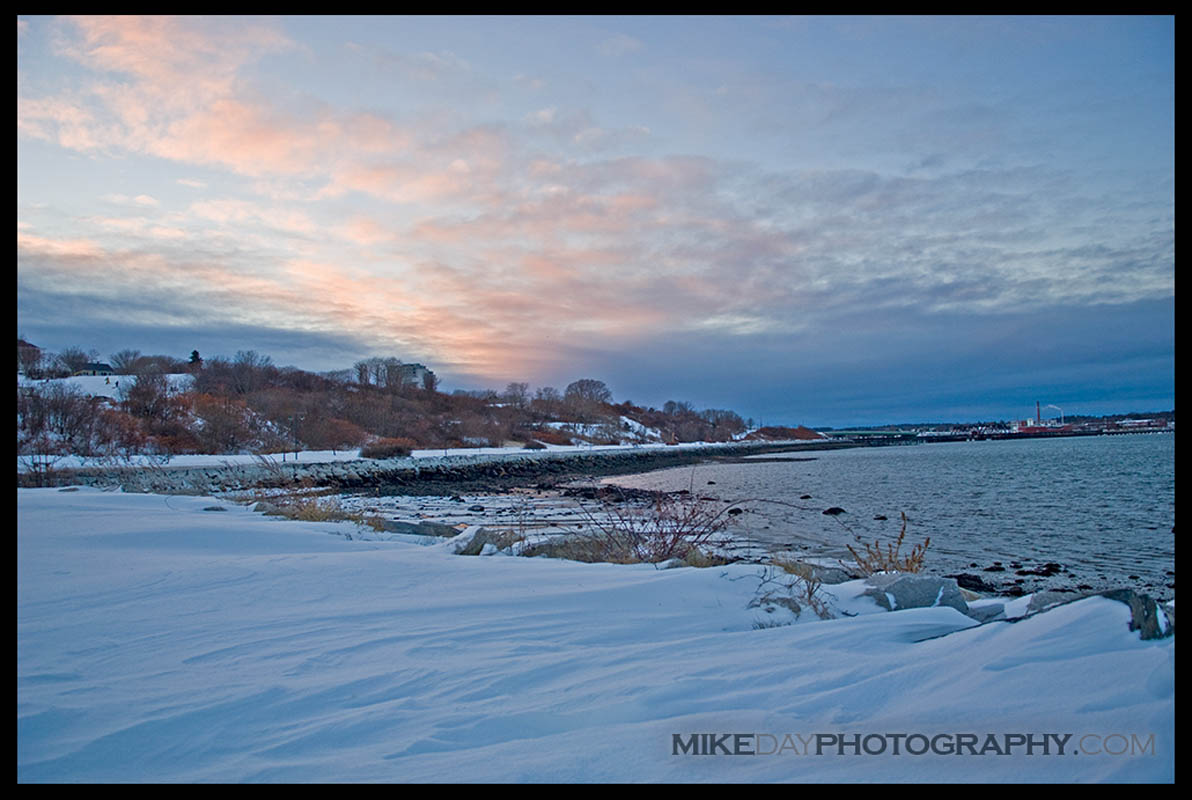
[[806, 588], [891, 559]]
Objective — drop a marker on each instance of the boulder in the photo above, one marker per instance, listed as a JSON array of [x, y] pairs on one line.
[[423, 528], [966, 580], [1049, 599], [483, 542], [830, 575], [894, 591], [987, 612], [1144, 614]]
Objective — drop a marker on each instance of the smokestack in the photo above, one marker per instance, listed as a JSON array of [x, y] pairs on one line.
[[1038, 416]]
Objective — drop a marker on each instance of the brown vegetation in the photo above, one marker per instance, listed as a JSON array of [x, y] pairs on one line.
[[618, 531], [247, 404], [388, 448], [780, 433], [891, 559]]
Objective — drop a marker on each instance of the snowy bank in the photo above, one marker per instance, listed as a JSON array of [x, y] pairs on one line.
[[159, 639]]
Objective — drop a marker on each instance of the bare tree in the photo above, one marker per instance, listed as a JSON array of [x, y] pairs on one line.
[[149, 396], [586, 398], [75, 359], [517, 394], [547, 401], [250, 371], [125, 362]]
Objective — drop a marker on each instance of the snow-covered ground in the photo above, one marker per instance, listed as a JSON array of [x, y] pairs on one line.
[[106, 385], [160, 640]]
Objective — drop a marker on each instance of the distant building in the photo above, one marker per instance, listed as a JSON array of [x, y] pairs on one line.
[[413, 374], [96, 368], [28, 357]]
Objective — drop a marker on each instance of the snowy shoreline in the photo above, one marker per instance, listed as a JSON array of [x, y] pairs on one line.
[[161, 640], [485, 474]]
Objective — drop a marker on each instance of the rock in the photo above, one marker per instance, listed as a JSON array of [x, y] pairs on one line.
[[880, 517], [974, 583], [1144, 614], [768, 601], [894, 591], [428, 528], [1043, 600], [484, 542], [994, 568], [476, 508], [423, 528], [831, 575], [215, 508], [834, 510], [1046, 571], [987, 613]]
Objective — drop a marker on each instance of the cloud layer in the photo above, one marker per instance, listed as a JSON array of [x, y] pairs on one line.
[[441, 211]]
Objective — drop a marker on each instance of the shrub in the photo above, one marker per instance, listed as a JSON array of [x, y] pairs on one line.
[[311, 509], [533, 446], [305, 507], [891, 559], [550, 436], [388, 448], [40, 462], [674, 526]]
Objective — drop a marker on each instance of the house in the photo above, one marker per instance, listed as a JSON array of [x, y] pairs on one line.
[[96, 368], [28, 357]]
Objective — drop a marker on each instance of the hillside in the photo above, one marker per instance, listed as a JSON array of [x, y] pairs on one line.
[[248, 405]]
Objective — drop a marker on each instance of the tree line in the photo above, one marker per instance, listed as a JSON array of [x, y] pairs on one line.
[[248, 404]]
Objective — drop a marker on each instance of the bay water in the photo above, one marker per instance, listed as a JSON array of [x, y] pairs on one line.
[[1103, 507]]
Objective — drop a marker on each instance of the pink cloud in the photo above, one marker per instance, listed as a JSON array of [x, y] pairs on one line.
[[71, 248], [175, 88]]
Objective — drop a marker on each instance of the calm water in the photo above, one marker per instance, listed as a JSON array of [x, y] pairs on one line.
[[1103, 507]]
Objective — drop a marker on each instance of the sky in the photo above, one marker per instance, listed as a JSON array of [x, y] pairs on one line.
[[828, 221]]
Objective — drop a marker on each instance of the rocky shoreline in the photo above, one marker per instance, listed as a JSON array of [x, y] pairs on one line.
[[480, 475], [427, 476]]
